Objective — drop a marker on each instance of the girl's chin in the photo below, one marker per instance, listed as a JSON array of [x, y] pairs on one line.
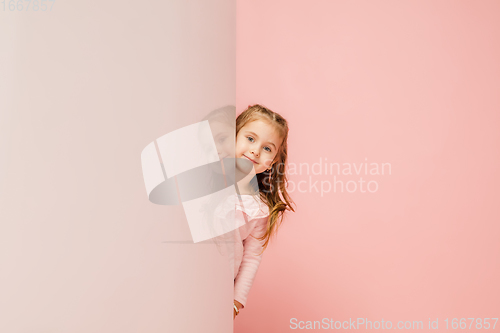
[[244, 165]]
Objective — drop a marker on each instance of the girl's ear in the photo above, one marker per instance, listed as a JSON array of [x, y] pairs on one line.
[[274, 162]]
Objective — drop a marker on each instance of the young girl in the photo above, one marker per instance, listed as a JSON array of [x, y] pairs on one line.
[[261, 138]]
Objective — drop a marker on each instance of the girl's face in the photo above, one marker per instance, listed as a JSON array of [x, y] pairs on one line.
[[258, 141]]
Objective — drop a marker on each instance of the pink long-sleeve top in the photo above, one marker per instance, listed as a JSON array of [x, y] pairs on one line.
[[247, 248]]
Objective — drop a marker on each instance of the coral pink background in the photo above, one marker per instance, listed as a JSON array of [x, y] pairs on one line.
[[85, 87], [411, 83]]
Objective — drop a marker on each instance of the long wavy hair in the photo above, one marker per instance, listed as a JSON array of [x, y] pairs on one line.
[[272, 184]]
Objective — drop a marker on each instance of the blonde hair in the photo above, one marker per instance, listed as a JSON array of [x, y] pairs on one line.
[[272, 184]]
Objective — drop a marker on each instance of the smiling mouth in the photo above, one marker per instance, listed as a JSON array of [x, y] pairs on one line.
[[251, 159]]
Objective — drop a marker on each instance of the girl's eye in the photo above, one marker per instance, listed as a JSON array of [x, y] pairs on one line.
[[252, 140]]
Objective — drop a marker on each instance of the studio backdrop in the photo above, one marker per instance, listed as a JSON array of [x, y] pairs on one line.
[[394, 152]]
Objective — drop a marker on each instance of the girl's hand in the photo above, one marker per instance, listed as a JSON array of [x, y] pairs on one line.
[[239, 306]]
